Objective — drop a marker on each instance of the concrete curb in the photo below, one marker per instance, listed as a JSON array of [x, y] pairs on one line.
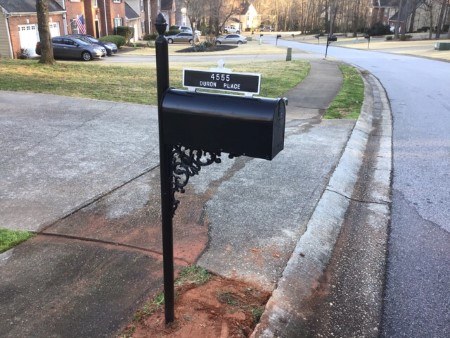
[[314, 249]]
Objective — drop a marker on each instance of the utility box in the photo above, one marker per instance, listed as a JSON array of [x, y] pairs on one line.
[[232, 124], [442, 46]]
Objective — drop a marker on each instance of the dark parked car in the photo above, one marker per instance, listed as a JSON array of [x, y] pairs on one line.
[[72, 48], [231, 38], [111, 48]]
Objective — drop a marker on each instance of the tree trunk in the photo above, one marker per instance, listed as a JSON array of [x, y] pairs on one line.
[[413, 16], [446, 19], [397, 24], [44, 33], [356, 14], [430, 36], [333, 13], [441, 19]]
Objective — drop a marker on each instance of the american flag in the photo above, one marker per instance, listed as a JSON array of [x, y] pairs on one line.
[[80, 24]]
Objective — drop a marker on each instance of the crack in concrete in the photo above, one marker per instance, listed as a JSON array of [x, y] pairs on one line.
[[358, 200], [115, 244]]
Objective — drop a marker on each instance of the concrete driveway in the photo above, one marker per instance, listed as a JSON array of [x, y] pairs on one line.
[[61, 153], [84, 175]]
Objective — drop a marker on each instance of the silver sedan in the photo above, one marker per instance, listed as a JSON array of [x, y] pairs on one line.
[[231, 38], [181, 37]]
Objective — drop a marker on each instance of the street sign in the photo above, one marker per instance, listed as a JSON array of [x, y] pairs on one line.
[[247, 83]]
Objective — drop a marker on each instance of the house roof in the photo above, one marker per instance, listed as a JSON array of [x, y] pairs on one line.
[[27, 6], [130, 13]]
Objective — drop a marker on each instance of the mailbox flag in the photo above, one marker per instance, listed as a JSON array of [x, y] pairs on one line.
[[81, 24]]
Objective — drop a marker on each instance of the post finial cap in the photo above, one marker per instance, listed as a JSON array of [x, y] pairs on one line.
[[160, 24]]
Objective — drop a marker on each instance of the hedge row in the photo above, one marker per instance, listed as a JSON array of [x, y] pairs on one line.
[[117, 39]]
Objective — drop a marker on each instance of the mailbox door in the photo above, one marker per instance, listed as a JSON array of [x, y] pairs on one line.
[[232, 124]]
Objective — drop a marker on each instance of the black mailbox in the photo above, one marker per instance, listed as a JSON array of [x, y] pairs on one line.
[[232, 124], [332, 38]]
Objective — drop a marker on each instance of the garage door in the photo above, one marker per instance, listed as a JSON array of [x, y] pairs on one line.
[[54, 29], [29, 36]]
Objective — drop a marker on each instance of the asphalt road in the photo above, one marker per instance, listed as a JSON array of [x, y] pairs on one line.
[[416, 300]]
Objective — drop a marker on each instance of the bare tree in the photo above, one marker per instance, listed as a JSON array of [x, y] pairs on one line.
[[316, 16], [44, 32], [413, 9], [399, 16], [221, 11], [195, 10], [442, 15], [429, 6], [333, 7]]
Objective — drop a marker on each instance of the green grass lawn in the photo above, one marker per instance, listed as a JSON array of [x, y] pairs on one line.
[[135, 84], [9, 238], [347, 104]]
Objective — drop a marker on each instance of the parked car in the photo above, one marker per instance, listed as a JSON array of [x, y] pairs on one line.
[[181, 37], [231, 38], [264, 28], [232, 30], [185, 29], [111, 48], [72, 48]]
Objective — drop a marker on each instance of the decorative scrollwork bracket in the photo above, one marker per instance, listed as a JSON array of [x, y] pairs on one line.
[[187, 163]]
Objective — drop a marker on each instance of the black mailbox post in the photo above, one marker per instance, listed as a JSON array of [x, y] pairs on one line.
[[367, 36], [330, 39], [276, 41], [317, 36], [194, 129]]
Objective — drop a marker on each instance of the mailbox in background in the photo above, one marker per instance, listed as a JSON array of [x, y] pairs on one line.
[[224, 123], [332, 38]]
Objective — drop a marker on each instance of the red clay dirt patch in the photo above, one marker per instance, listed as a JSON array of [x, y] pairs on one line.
[[219, 308]]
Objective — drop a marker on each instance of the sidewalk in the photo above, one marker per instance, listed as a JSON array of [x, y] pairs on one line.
[[97, 255]]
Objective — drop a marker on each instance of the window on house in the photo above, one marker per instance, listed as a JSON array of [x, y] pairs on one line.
[[95, 3], [117, 1], [117, 22]]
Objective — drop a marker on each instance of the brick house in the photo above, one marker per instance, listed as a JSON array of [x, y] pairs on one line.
[[18, 20], [383, 10], [168, 9], [412, 18], [100, 16], [18, 26]]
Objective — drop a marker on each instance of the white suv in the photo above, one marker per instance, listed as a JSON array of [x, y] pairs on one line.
[[187, 29], [231, 30]]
